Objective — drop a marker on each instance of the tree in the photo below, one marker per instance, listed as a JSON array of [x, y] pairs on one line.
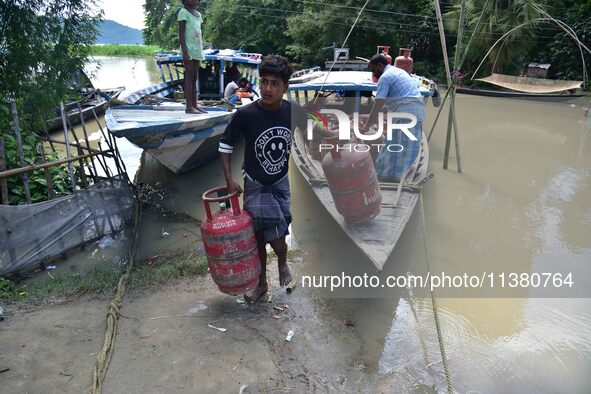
[[301, 28], [395, 23], [161, 22], [563, 52], [42, 44], [499, 17], [153, 10], [252, 25]]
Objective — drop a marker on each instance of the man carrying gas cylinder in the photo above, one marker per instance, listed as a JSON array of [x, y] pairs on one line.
[[267, 126], [397, 92]]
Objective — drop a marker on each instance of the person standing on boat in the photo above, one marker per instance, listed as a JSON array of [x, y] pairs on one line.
[[397, 92], [190, 37], [267, 126]]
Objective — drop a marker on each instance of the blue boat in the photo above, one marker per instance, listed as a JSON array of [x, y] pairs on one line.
[[154, 118]]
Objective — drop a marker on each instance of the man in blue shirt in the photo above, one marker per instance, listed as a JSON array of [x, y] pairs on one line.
[[397, 92]]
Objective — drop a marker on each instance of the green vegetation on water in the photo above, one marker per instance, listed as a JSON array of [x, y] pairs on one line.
[[100, 281], [124, 50]]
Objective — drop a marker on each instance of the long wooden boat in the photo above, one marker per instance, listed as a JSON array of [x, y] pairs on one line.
[[97, 100], [378, 237], [154, 120], [550, 97]]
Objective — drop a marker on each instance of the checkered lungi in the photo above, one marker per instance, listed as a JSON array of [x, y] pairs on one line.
[[391, 165], [269, 206]]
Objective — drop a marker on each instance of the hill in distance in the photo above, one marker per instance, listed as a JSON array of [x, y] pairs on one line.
[[111, 32]]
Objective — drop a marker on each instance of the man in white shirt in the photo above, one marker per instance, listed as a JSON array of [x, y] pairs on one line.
[[233, 87]]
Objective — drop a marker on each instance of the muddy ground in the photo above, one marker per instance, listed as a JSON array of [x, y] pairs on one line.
[[164, 344]]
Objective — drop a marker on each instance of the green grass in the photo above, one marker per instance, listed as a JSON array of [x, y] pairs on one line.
[[124, 50], [100, 281]]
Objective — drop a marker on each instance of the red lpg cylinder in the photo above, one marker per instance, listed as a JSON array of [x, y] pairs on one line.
[[353, 183], [404, 61], [385, 51], [230, 245]]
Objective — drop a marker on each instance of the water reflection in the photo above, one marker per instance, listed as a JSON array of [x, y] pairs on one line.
[[134, 73]]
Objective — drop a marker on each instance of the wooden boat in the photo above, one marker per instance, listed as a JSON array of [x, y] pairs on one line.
[[96, 100], [378, 237], [550, 97], [527, 87], [155, 121]]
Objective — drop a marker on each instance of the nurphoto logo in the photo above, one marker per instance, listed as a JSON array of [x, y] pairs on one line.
[[402, 121]]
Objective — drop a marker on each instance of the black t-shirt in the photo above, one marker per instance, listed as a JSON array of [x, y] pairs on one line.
[[268, 138]]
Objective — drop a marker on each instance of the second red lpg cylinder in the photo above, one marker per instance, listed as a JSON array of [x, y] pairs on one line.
[[353, 183]]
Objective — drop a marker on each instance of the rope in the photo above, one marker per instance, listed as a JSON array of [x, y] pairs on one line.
[[448, 379], [103, 358]]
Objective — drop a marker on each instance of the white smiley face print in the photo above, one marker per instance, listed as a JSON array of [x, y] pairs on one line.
[[272, 149]]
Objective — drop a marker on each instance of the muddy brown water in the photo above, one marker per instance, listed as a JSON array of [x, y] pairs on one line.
[[522, 202]]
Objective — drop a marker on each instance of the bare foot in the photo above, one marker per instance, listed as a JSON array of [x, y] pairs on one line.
[[191, 110], [200, 110], [253, 296], [284, 274]]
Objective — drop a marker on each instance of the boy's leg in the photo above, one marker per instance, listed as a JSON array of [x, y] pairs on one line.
[[280, 247], [253, 296], [190, 86], [195, 79]]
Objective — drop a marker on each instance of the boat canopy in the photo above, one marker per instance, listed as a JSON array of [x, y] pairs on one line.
[[530, 85], [226, 55], [349, 80]]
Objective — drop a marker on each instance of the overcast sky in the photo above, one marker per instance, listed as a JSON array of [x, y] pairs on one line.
[[127, 12]]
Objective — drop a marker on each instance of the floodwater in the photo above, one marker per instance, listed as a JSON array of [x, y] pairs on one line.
[[521, 204]]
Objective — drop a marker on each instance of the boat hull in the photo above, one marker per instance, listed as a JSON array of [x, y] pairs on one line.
[[181, 157], [177, 140], [87, 108]]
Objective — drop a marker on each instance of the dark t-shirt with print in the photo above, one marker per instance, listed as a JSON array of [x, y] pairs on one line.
[[268, 137]]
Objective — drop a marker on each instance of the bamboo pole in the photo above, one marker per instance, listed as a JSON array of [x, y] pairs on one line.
[[451, 123], [107, 137], [456, 136], [110, 143], [3, 182], [68, 153], [438, 114], [103, 163], [108, 153], [34, 167], [19, 144], [86, 138], [79, 142], [443, 43], [449, 129], [48, 180], [82, 168]]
